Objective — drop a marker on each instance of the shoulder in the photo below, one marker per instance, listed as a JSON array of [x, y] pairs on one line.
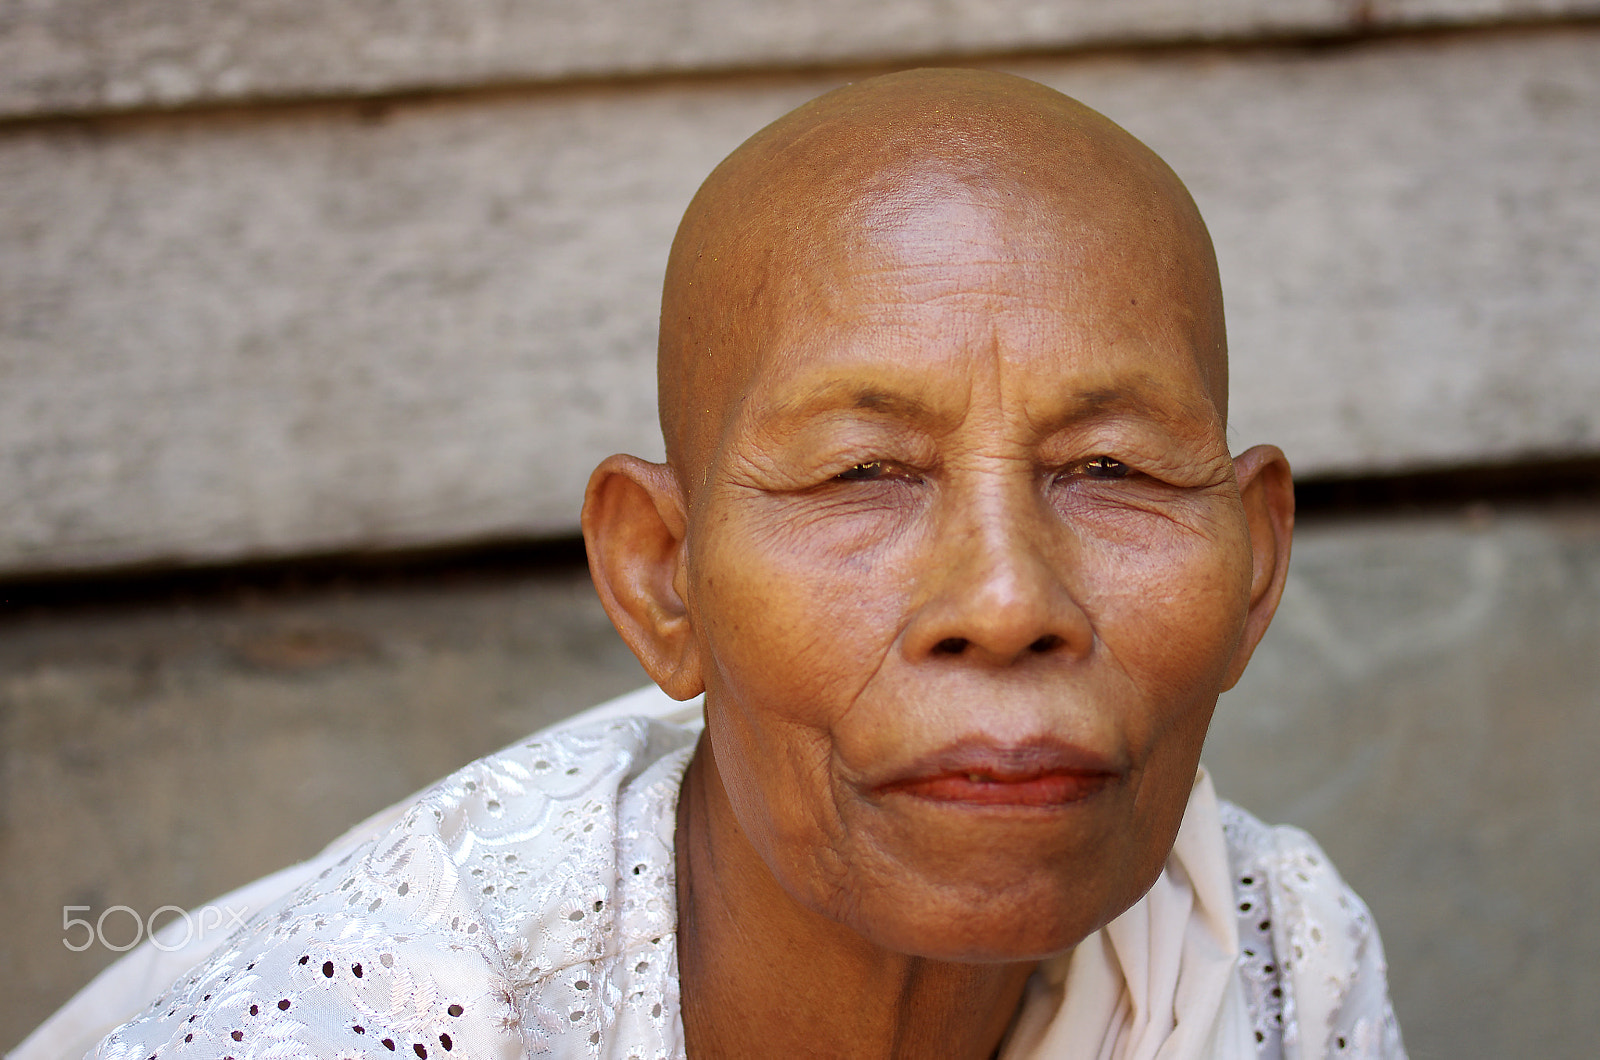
[[516, 902], [1310, 956]]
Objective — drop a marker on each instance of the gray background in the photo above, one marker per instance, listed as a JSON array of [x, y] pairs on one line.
[[284, 280]]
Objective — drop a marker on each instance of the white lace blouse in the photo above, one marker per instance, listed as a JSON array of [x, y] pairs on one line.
[[525, 906]]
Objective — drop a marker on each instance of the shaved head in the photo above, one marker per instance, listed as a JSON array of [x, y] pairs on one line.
[[908, 163]]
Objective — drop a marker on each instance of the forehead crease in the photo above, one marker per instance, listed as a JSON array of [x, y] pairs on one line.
[[953, 278]]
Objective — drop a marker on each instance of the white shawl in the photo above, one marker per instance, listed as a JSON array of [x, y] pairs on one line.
[[1161, 981]]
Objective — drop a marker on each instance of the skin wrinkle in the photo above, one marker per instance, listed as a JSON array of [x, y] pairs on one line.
[[981, 286], [1105, 400]]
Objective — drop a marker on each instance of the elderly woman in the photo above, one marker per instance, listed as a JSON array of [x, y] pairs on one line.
[[950, 539]]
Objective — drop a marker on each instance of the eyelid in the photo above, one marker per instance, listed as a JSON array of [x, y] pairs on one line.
[[877, 470], [870, 469], [1113, 468]]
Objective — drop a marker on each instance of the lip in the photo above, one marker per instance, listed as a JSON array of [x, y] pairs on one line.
[[1036, 773]]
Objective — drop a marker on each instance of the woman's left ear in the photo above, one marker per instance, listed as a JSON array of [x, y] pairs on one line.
[[1267, 489], [634, 524]]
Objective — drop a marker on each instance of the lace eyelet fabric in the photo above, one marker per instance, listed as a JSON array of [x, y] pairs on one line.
[[1310, 959], [526, 906]]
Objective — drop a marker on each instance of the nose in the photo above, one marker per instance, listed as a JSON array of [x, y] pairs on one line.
[[996, 583]]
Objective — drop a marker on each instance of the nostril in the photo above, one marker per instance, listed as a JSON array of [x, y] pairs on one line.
[[950, 646], [1048, 642]]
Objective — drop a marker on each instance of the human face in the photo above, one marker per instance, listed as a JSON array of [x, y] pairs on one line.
[[969, 568]]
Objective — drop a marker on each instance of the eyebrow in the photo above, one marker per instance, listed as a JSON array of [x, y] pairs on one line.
[[840, 396], [1152, 403], [1112, 399], [874, 400]]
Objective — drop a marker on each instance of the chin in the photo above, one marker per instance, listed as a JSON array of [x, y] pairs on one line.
[[983, 928]]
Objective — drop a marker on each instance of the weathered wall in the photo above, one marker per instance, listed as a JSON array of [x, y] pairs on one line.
[[264, 332], [65, 56]]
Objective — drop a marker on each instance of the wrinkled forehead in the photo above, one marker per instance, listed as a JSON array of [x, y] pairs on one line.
[[933, 250]]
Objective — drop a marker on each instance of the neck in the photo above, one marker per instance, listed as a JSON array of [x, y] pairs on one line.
[[762, 975]]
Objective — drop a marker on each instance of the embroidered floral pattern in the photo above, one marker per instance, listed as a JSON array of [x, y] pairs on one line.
[[526, 906], [1310, 958]]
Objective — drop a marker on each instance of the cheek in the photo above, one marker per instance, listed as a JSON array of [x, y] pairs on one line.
[[786, 628], [1170, 609], [794, 614], [1169, 617]]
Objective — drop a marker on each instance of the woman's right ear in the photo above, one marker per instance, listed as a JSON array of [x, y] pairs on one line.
[[634, 523]]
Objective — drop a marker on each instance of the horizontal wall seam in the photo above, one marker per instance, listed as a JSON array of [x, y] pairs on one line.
[[1354, 35]]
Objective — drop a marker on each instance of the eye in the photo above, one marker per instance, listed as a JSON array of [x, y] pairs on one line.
[[862, 472], [1105, 467]]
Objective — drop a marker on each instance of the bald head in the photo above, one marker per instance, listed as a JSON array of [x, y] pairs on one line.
[[905, 168]]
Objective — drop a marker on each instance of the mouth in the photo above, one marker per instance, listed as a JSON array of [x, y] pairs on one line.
[[1044, 773]]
